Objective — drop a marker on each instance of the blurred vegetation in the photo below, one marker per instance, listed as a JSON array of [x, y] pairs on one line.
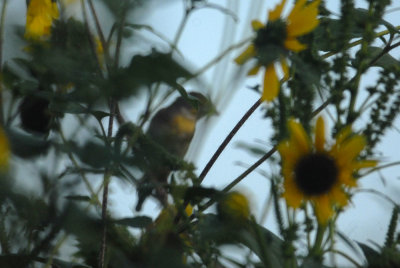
[[66, 134]]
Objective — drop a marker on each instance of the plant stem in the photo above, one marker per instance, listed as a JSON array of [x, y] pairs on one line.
[[256, 164], [358, 42], [106, 181], [181, 27], [341, 253], [228, 139], [3, 15]]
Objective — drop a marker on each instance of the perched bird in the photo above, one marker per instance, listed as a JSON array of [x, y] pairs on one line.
[[173, 128]]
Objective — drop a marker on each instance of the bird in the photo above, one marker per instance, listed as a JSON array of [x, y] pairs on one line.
[[172, 128]]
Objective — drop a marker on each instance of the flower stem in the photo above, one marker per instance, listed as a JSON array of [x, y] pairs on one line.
[[106, 181], [252, 167], [228, 139], [316, 250]]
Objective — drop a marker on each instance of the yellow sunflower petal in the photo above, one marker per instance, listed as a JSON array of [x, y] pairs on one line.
[[338, 196], [289, 156], [285, 69], [343, 135], [323, 209], [254, 70], [271, 84], [294, 45], [276, 12], [350, 149], [296, 9], [4, 151], [345, 177], [340, 138], [256, 25], [304, 21], [364, 164], [320, 134], [299, 137], [292, 195], [249, 53], [39, 18]]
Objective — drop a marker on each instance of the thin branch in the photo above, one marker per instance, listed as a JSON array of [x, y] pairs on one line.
[[228, 139]]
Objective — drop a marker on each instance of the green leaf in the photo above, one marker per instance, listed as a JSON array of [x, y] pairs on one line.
[[119, 8], [265, 244], [196, 194], [385, 61], [80, 198], [95, 154], [99, 114], [370, 254], [157, 67], [26, 146], [310, 263], [135, 222], [67, 107], [63, 264]]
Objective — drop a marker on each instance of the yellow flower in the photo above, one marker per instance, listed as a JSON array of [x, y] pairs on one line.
[[234, 207], [279, 36], [4, 150], [318, 174], [39, 18]]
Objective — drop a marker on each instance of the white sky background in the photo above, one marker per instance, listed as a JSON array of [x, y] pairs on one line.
[[366, 219]]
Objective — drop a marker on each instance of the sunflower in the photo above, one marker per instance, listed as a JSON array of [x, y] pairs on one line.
[[318, 174], [276, 39], [39, 18]]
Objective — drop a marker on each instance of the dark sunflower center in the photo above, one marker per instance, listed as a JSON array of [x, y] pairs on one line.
[[316, 173], [269, 42], [274, 33]]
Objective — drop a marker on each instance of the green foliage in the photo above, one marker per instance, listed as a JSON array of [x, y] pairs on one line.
[[62, 107]]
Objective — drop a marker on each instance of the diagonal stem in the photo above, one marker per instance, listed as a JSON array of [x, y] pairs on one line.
[[228, 139]]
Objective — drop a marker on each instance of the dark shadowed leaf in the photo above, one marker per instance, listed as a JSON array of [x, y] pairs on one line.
[[81, 198], [27, 146], [67, 107], [385, 60], [370, 254], [135, 222]]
